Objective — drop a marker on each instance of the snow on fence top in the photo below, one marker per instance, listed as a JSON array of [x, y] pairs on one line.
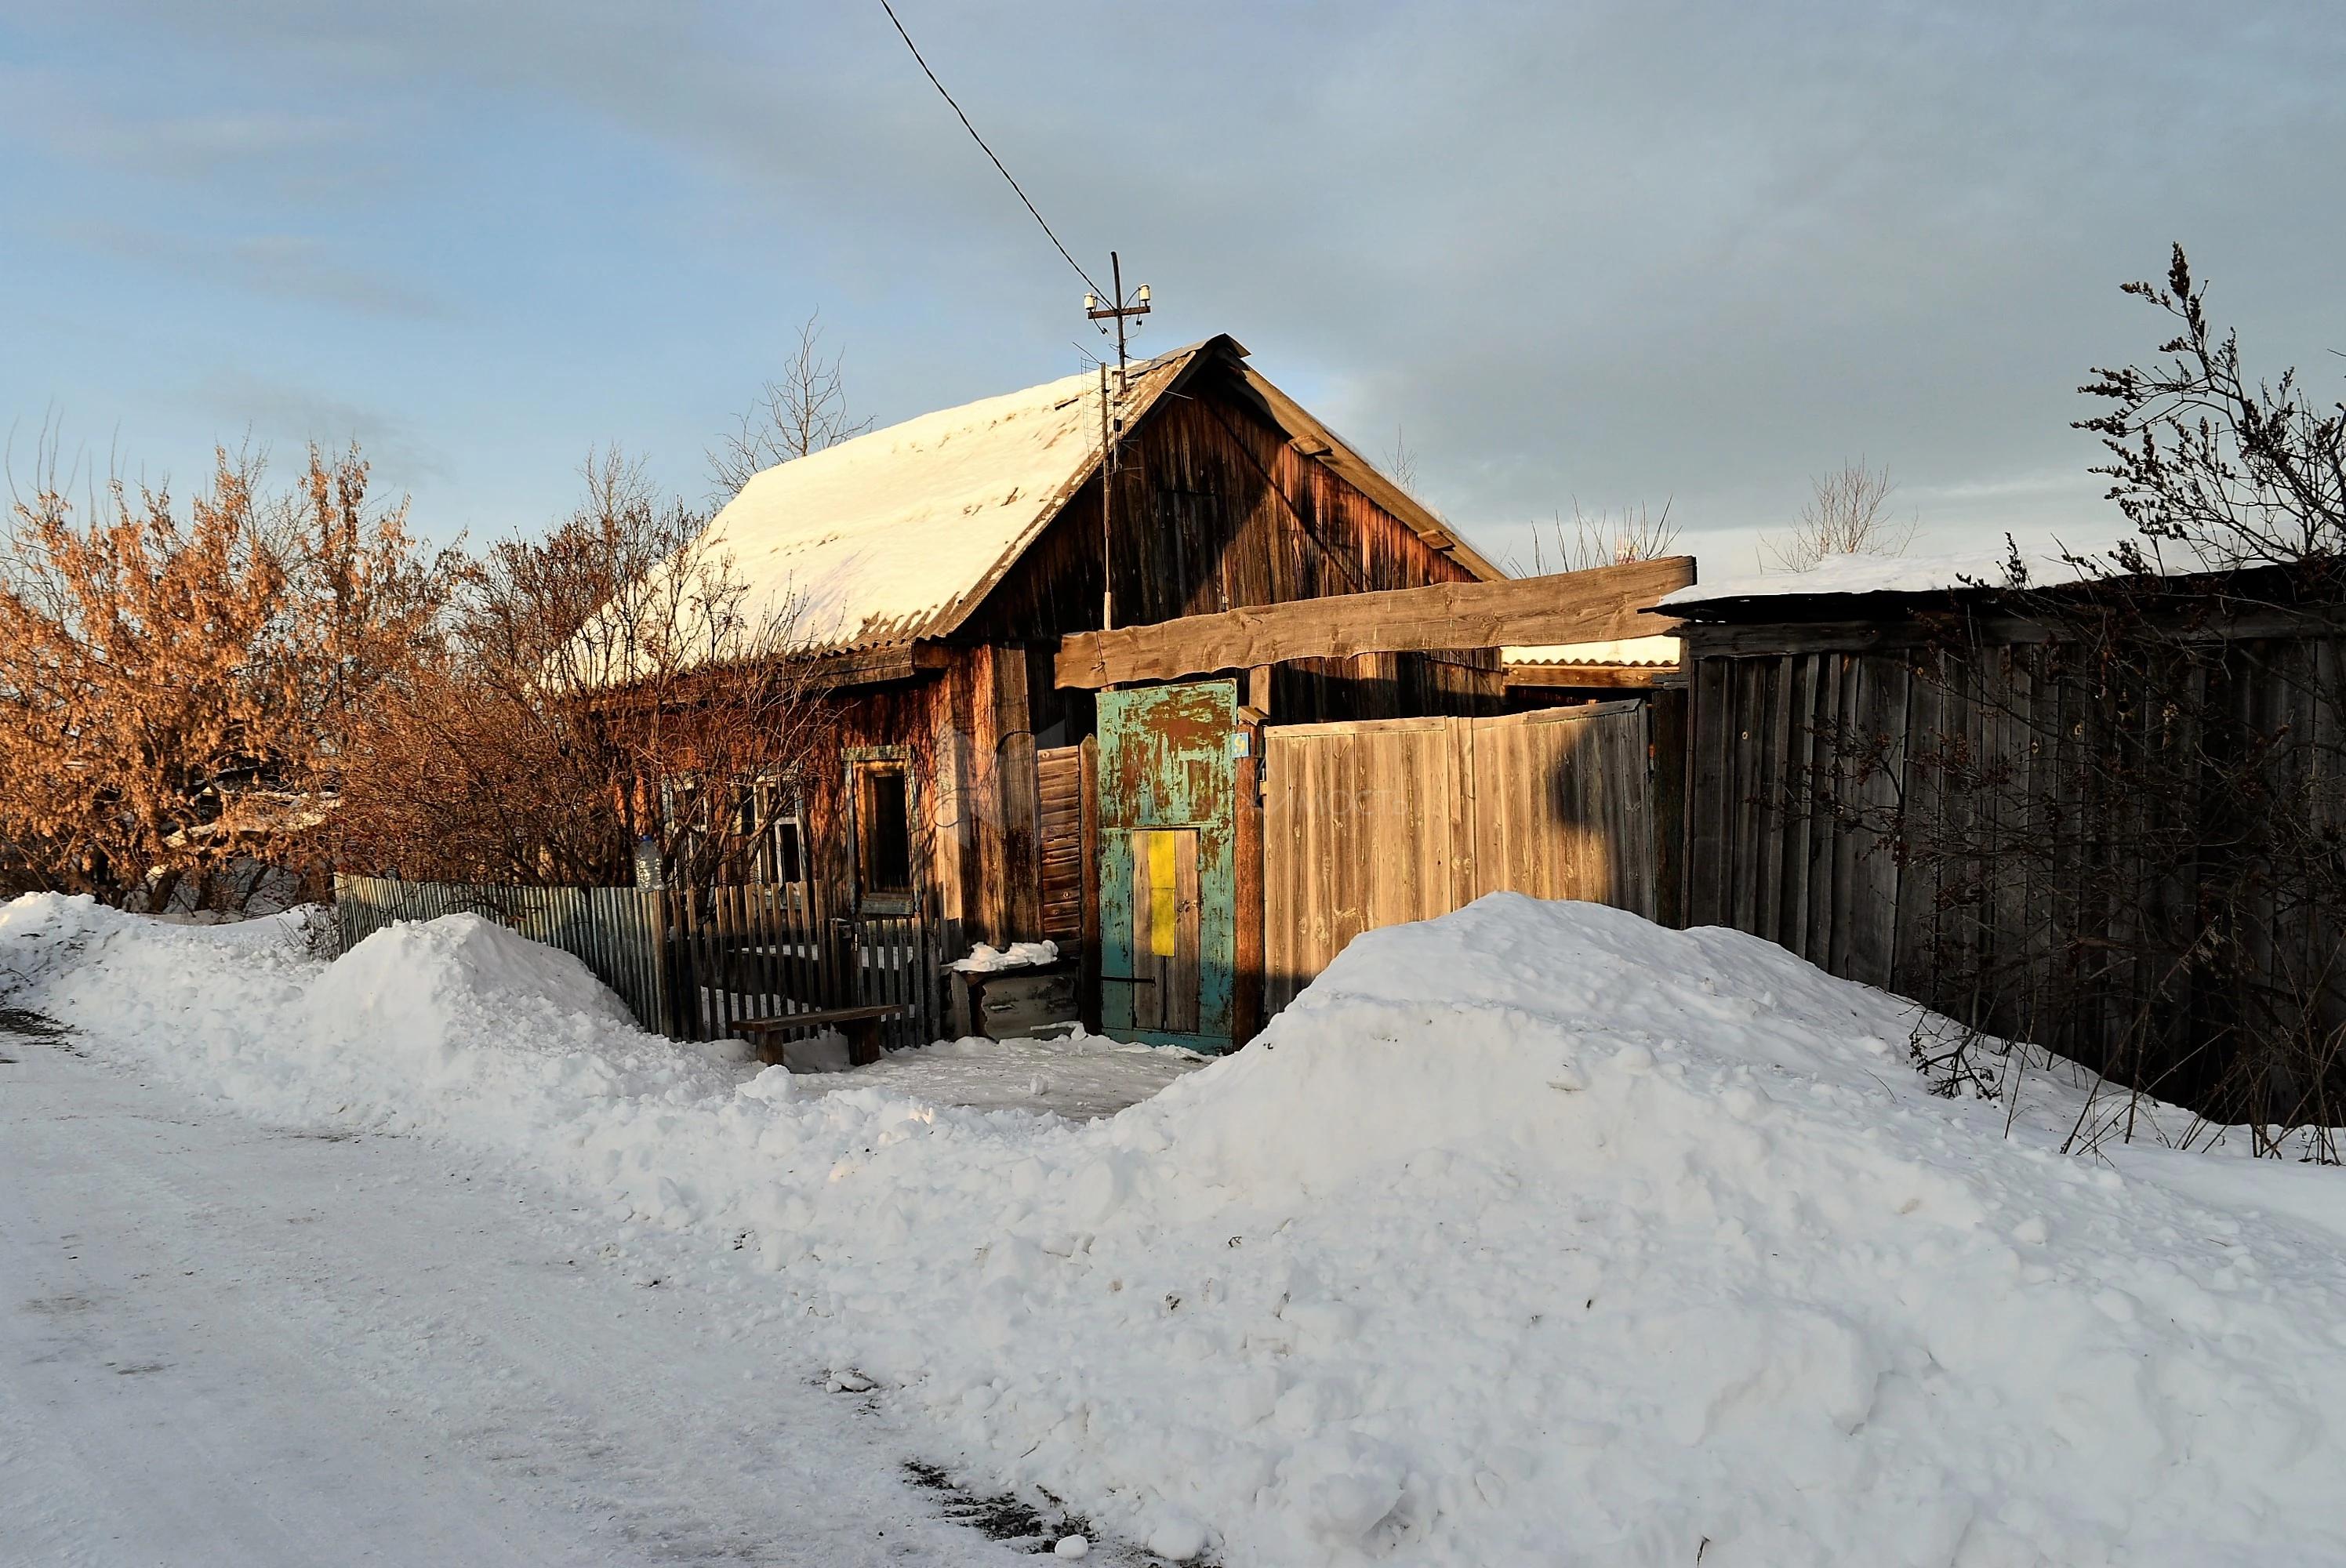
[[898, 534], [1900, 575]]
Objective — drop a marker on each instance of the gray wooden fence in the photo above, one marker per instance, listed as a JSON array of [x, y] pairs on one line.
[[618, 932], [741, 953], [693, 964]]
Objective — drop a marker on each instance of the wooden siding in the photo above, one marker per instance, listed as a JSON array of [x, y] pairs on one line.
[[965, 733], [1060, 786], [1371, 825], [1216, 509], [1774, 849]]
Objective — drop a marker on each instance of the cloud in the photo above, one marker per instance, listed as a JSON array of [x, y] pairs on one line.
[[1614, 251], [168, 133], [272, 266], [274, 414]]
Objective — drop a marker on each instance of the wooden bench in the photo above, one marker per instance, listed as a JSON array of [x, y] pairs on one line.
[[859, 1024]]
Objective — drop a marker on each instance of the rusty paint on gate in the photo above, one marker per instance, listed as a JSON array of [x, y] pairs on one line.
[[1166, 762]]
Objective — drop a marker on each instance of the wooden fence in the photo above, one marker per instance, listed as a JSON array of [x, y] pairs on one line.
[[1376, 823], [615, 931], [2078, 921], [740, 953], [693, 964]]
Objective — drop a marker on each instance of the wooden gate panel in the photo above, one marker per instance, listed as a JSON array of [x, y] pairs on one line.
[[1374, 824], [1166, 763]]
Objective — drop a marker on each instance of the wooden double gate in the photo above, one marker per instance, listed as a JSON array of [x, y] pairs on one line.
[[1378, 823]]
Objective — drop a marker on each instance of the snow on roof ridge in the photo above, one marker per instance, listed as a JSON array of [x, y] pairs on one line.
[[1662, 649], [895, 533]]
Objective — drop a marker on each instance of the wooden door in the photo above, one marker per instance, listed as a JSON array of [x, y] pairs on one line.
[[1167, 848], [1165, 914]]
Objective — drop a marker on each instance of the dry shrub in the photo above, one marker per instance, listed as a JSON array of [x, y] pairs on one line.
[[175, 690]]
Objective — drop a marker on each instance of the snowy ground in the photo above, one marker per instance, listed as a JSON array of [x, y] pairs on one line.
[[1533, 1233], [223, 1343], [1082, 1079]]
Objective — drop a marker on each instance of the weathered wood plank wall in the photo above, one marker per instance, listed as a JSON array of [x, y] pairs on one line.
[[1797, 755], [1772, 851], [1216, 509], [1374, 824], [1060, 786]]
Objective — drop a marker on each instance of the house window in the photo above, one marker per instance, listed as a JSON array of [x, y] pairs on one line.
[[884, 829], [772, 834], [788, 859]]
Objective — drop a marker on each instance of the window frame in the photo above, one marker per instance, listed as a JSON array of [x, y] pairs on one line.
[[863, 762]]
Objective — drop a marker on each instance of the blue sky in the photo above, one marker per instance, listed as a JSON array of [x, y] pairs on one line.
[[1605, 254]]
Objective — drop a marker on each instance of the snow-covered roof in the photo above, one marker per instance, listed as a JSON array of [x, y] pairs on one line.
[[898, 534], [1660, 650], [1897, 574]]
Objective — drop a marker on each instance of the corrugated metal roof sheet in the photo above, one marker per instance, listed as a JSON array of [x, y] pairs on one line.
[[1641, 651]]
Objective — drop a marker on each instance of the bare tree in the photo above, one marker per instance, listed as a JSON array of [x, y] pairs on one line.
[[2239, 473], [1401, 464], [606, 690], [1605, 539], [1849, 516], [801, 412]]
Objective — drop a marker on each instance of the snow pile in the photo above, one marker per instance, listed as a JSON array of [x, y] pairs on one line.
[[985, 959], [1534, 1233], [456, 1024]]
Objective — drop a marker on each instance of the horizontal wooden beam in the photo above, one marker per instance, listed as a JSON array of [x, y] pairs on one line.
[[1598, 606]]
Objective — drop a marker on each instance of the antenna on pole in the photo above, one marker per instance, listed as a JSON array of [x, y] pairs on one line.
[[1120, 310]]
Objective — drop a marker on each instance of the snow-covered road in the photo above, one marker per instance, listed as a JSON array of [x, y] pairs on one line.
[[225, 1344], [1533, 1233]]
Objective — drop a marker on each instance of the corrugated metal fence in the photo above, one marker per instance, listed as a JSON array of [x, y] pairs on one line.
[[692, 963]]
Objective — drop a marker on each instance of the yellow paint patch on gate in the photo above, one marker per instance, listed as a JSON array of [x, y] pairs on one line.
[[1163, 895]]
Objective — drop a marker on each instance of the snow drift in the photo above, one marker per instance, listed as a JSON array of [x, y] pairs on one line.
[[1534, 1233]]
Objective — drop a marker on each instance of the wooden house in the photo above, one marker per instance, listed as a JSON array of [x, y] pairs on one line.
[[936, 564]]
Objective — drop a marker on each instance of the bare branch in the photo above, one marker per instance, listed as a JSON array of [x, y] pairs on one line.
[[801, 412]]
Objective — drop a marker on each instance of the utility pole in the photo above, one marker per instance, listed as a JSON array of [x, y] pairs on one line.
[[1112, 419]]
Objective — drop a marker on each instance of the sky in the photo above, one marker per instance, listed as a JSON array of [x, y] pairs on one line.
[[1594, 256]]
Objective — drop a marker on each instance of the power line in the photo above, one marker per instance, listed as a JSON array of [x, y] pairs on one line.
[[981, 142]]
